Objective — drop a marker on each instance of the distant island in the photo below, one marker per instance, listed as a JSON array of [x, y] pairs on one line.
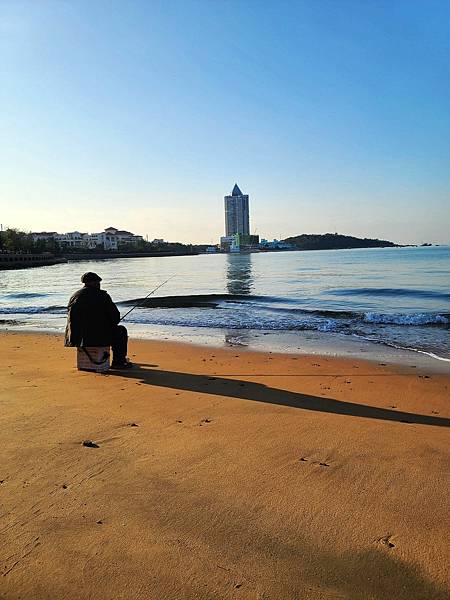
[[335, 241]]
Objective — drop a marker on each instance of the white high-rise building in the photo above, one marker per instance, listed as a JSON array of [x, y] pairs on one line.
[[237, 219]]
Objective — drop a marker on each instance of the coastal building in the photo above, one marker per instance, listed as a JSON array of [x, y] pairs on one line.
[[247, 241], [237, 224], [239, 242], [228, 243], [237, 218], [74, 239], [275, 245], [109, 239]]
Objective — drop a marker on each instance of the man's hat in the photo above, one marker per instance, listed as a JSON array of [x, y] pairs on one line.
[[87, 277]]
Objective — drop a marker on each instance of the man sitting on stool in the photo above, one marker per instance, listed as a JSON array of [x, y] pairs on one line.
[[93, 320]]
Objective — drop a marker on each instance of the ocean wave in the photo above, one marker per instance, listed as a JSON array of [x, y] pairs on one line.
[[21, 295], [32, 310], [390, 292], [246, 321], [421, 332], [201, 312], [406, 319], [202, 300], [327, 314]]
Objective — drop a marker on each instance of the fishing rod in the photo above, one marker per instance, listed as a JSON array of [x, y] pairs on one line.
[[147, 296]]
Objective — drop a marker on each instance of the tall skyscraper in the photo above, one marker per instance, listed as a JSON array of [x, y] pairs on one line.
[[237, 218]]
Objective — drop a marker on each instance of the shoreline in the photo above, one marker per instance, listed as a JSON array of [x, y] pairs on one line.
[[220, 473], [309, 343]]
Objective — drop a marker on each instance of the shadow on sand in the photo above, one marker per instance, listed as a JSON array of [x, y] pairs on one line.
[[258, 392]]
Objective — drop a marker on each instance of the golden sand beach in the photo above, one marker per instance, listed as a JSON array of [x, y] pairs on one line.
[[220, 474]]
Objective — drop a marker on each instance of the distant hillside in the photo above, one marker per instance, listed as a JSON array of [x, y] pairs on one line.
[[335, 241]]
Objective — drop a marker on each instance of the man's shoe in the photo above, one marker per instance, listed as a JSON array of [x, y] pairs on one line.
[[126, 364]]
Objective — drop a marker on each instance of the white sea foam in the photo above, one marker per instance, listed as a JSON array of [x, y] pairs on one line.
[[329, 325], [405, 319]]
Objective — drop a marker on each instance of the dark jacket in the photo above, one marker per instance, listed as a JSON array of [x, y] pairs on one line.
[[91, 318]]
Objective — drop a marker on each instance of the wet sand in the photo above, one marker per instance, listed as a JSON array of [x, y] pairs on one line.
[[220, 473]]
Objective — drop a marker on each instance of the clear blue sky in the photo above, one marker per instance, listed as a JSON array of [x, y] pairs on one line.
[[331, 115]]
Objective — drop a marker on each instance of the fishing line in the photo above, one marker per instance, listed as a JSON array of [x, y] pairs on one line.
[[147, 296]]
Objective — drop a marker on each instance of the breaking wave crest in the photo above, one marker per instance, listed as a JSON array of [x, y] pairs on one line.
[[407, 319]]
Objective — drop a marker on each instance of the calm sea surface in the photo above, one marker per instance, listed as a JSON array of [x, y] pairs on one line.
[[395, 296]]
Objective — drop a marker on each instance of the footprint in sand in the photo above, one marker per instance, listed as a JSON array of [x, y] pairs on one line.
[[205, 421], [321, 464], [386, 541]]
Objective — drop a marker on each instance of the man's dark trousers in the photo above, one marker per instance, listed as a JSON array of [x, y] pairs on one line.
[[119, 344]]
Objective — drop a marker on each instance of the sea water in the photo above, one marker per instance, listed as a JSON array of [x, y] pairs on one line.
[[339, 299]]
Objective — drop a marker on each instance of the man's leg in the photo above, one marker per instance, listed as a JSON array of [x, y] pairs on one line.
[[119, 345]]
